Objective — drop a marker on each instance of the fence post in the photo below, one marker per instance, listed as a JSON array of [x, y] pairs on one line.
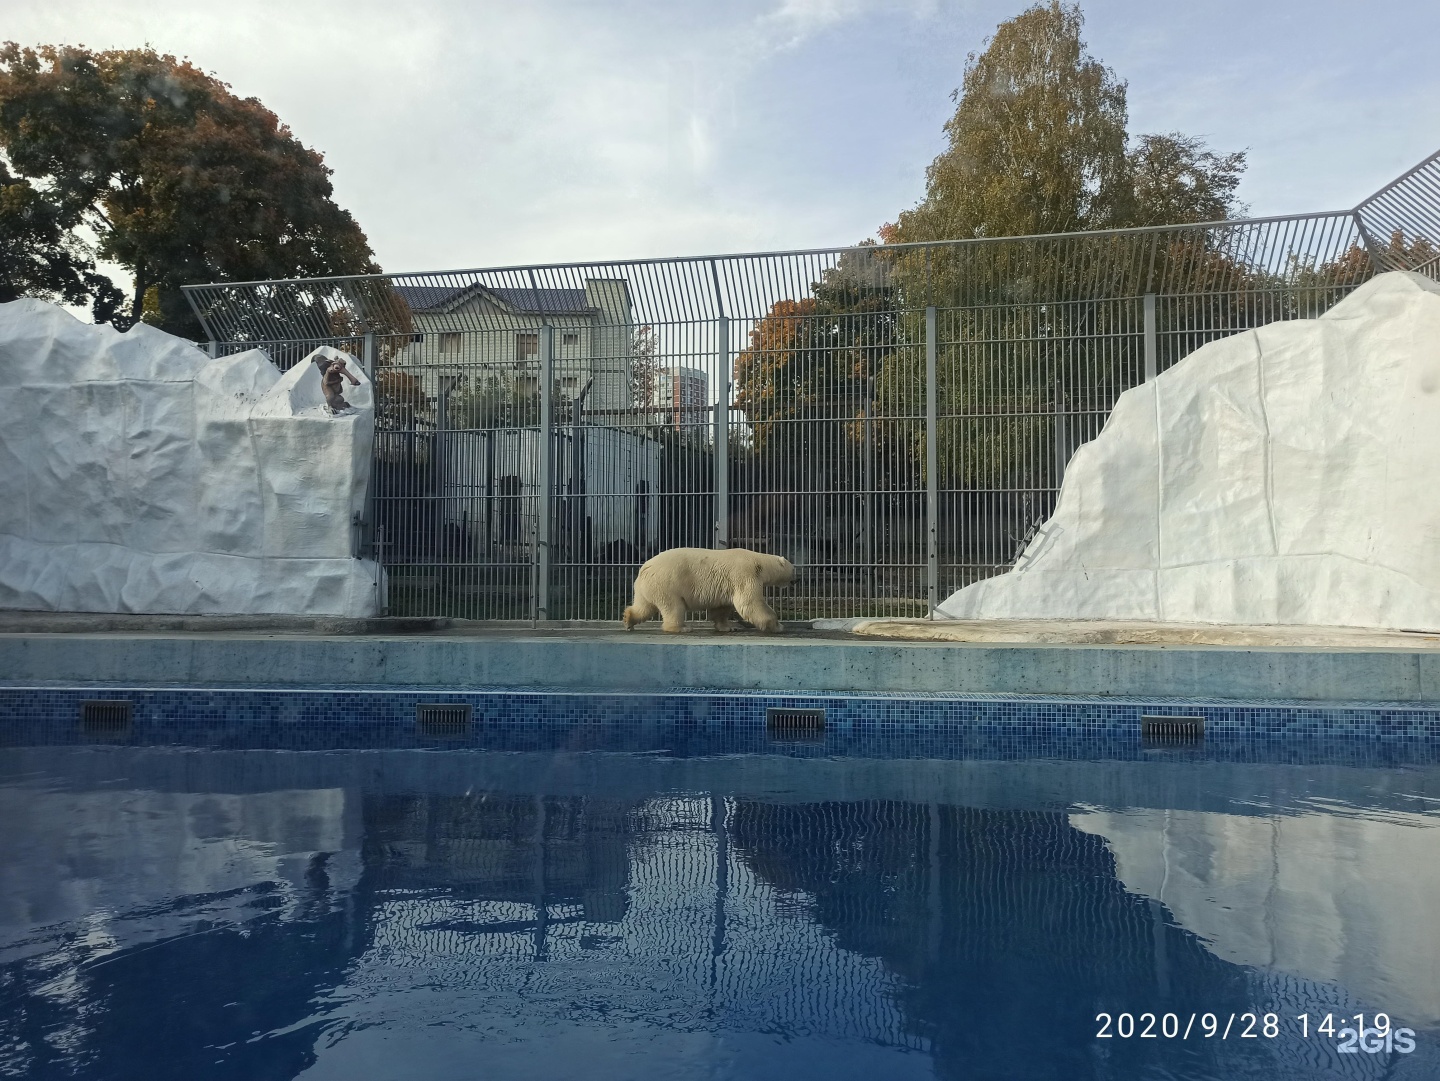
[[1060, 434], [440, 453], [547, 476], [1151, 342], [722, 439], [867, 494], [367, 355], [932, 469], [367, 546]]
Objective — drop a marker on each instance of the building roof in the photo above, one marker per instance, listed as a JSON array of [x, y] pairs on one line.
[[424, 298], [435, 298]]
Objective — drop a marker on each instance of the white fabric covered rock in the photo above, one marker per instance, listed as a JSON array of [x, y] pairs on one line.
[[139, 475], [1286, 475]]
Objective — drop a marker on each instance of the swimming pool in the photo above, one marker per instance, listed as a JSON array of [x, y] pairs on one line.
[[274, 884]]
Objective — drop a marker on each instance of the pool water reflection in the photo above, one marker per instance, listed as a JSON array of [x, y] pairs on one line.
[[181, 913]]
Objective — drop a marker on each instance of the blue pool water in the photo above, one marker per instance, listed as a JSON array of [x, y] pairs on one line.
[[267, 886]]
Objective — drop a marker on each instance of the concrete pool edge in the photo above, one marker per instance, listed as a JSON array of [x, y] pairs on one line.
[[652, 664]]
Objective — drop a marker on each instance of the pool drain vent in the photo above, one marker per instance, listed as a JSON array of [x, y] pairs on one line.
[[795, 725], [443, 720], [107, 718], [1171, 731]]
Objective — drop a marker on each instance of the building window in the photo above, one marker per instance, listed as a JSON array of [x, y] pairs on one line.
[[569, 382], [450, 343], [570, 339], [527, 346]]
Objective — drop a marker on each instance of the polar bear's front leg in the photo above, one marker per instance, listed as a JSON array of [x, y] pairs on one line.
[[721, 616], [751, 607]]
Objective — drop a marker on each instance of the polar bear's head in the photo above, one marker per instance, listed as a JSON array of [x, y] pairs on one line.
[[774, 570]]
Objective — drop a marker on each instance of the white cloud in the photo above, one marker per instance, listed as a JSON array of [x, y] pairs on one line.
[[489, 133], [795, 20]]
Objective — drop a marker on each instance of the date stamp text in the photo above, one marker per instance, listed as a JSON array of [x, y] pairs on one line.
[[1352, 1034]]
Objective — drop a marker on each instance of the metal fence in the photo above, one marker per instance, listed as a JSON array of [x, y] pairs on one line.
[[895, 419]]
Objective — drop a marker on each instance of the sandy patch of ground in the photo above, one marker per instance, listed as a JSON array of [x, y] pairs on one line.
[[1124, 633]]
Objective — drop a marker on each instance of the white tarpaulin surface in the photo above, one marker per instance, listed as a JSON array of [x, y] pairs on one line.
[[1286, 475], [139, 475]]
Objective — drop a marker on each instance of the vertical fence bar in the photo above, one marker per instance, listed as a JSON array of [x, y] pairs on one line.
[[867, 495], [1151, 342], [367, 356], [544, 503], [932, 469], [722, 438]]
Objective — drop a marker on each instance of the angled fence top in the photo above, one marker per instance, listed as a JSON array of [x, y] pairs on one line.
[[1396, 228]]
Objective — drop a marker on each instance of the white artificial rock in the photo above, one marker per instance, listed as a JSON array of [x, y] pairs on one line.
[[139, 475], [1286, 475]]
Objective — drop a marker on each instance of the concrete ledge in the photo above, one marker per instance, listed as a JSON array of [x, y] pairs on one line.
[[652, 662]]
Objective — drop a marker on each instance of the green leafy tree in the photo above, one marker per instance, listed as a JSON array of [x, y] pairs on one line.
[[180, 180], [807, 384], [39, 254], [1037, 141], [1178, 180], [499, 401], [1039, 145], [815, 360]]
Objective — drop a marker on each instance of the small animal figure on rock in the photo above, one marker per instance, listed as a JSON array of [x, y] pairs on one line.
[[332, 376], [724, 583]]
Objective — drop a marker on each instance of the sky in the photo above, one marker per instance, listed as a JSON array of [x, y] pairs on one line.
[[485, 134]]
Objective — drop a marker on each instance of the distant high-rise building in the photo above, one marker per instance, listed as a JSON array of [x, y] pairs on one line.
[[682, 396]]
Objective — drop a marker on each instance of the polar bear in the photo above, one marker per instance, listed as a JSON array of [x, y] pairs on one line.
[[724, 582]]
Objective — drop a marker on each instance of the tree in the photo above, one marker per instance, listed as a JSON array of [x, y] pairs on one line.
[[814, 359], [180, 180], [1037, 141], [644, 368], [1039, 144], [1177, 180], [40, 256], [774, 375], [807, 384]]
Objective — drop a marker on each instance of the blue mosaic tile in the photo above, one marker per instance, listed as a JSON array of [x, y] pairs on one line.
[[700, 722]]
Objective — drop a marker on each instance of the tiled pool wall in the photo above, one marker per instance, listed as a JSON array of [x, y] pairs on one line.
[[697, 722]]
